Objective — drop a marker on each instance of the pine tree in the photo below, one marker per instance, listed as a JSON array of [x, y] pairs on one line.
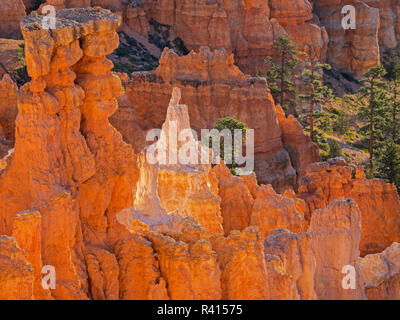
[[389, 163], [316, 91], [280, 76], [231, 124], [392, 66], [374, 95]]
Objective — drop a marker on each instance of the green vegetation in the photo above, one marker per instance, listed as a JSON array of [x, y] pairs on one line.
[[372, 97], [20, 74], [131, 56], [21, 53], [280, 75], [388, 166], [342, 123], [378, 102], [316, 92], [231, 124], [365, 123], [334, 149]]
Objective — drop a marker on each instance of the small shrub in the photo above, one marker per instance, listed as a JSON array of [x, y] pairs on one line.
[[342, 123], [334, 149]]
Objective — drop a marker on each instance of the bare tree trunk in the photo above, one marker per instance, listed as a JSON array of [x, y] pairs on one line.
[[282, 79], [394, 129], [371, 134], [312, 120], [312, 78]]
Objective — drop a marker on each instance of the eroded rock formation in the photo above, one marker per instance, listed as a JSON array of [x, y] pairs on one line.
[[8, 107], [213, 87], [11, 11], [114, 225], [380, 273], [243, 270], [16, 273], [335, 233], [301, 149], [290, 265], [378, 201], [177, 180], [389, 12], [78, 182], [244, 203], [353, 50], [245, 28]]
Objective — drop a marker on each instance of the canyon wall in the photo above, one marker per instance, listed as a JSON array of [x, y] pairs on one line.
[[248, 28], [245, 28]]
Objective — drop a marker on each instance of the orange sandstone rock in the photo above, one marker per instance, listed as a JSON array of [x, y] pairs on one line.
[[301, 149], [353, 50], [8, 107], [273, 211], [190, 268], [241, 260], [245, 28], [380, 273], [16, 273], [186, 187], [168, 185], [27, 234], [378, 201], [290, 266], [236, 200], [136, 20], [266, 209], [295, 17], [139, 274], [388, 21], [78, 182], [335, 237], [11, 11]]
